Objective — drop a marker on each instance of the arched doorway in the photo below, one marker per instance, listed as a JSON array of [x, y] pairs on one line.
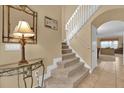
[[107, 18]]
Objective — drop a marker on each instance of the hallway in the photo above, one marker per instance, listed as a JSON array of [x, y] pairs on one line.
[[106, 75]]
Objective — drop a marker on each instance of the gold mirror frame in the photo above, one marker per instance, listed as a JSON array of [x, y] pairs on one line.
[[7, 26]]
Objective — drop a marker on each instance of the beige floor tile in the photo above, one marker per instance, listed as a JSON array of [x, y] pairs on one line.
[[108, 74], [120, 83]]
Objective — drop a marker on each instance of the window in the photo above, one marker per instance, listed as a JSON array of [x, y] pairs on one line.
[[109, 44], [12, 47]]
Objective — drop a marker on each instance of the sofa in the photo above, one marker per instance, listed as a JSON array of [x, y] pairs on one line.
[[107, 51], [119, 51]]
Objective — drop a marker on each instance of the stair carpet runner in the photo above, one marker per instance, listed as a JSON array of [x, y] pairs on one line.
[[69, 73]]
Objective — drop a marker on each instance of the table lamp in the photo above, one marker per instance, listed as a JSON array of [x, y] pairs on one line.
[[23, 31]]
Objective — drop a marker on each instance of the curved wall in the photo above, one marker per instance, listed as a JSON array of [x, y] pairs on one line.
[[82, 41]]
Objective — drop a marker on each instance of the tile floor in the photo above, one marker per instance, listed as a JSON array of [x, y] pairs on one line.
[[108, 74]]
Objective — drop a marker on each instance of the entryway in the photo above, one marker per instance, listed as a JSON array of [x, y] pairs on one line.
[[113, 31], [107, 42]]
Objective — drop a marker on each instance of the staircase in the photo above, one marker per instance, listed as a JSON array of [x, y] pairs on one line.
[[69, 72]]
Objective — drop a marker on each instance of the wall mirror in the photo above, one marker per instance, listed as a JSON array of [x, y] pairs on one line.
[[12, 14]]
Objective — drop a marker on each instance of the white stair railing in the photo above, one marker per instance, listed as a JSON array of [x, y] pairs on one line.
[[80, 16]]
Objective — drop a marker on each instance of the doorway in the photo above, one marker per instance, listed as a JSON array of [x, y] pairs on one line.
[[107, 42]]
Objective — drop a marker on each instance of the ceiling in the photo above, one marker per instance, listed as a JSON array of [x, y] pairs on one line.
[[111, 29]]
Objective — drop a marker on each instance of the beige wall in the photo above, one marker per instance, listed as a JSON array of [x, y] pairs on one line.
[[67, 11], [49, 42], [108, 13], [81, 43]]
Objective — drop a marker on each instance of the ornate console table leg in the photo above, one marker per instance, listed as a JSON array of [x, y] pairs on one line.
[[27, 74], [42, 84], [31, 82], [24, 79], [18, 80]]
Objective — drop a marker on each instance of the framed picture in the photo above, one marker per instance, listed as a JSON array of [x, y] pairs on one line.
[[50, 23]]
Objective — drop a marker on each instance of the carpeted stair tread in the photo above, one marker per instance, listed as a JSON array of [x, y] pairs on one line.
[[57, 83], [70, 62], [65, 47], [70, 68], [66, 72], [67, 56], [68, 83], [78, 77]]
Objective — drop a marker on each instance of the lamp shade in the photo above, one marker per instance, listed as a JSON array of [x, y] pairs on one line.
[[23, 29]]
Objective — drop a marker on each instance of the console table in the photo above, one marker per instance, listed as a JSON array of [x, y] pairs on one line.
[[24, 70]]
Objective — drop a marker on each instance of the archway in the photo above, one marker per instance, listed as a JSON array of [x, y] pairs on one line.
[[105, 18]]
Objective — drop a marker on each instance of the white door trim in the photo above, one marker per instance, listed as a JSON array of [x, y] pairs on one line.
[[94, 47], [123, 48]]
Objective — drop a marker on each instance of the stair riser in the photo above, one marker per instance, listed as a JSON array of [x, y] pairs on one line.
[[71, 63], [66, 75], [68, 56], [64, 43], [66, 51], [65, 47], [67, 64], [76, 70], [76, 83]]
